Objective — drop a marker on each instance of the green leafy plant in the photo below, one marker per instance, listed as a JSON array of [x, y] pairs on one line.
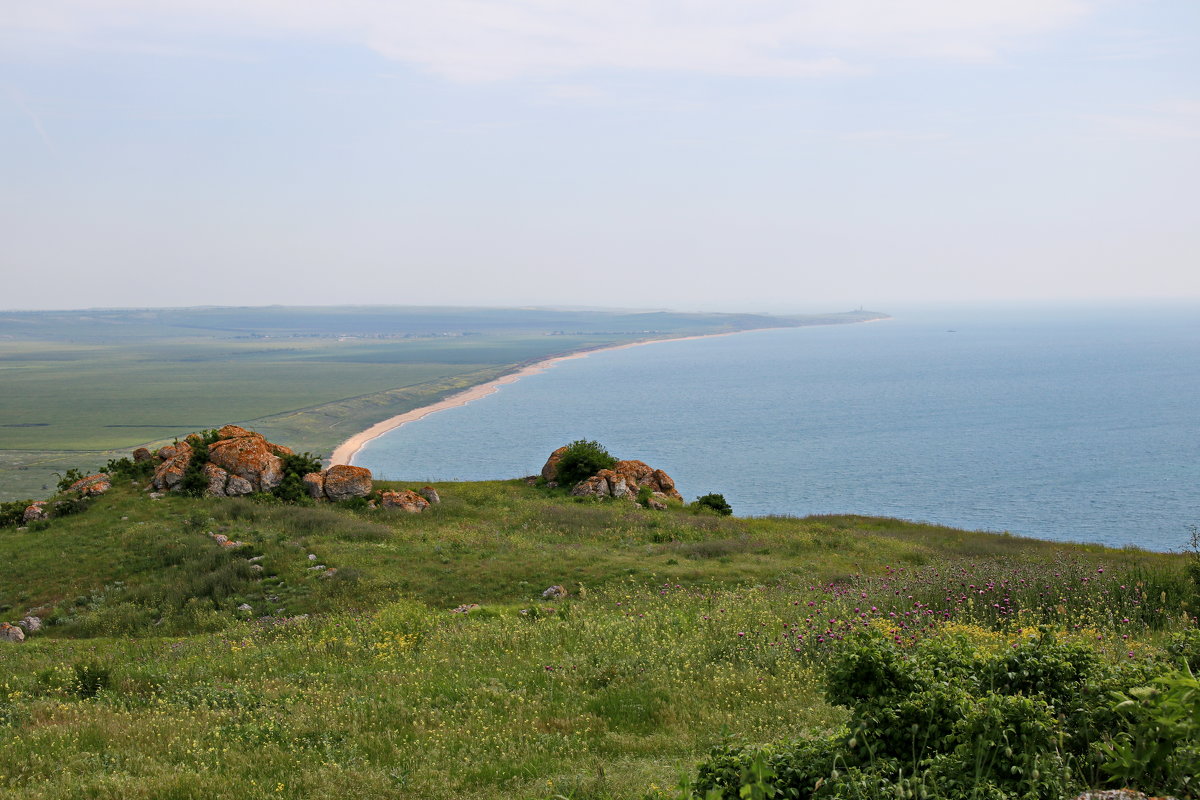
[[1160, 751], [716, 502], [13, 513], [129, 469], [581, 460], [295, 466], [194, 483]]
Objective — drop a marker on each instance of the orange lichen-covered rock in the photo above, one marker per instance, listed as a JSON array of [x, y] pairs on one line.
[[638, 474], [343, 482], [170, 471], [249, 458], [407, 500], [217, 478], [314, 482], [237, 432], [142, 454], [35, 512], [550, 468], [625, 479], [92, 485]]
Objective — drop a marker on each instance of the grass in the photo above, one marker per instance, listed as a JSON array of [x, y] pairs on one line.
[[682, 631]]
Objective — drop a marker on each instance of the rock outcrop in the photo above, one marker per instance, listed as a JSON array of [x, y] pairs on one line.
[[92, 485], [625, 479], [408, 500], [239, 462], [339, 482], [175, 460], [550, 468], [31, 624], [249, 457], [11, 633], [35, 512], [430, 494]]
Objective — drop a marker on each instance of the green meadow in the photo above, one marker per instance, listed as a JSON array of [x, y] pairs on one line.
[[683, 634]]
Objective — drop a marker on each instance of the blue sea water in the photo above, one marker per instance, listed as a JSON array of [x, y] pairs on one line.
[[1080, 425]]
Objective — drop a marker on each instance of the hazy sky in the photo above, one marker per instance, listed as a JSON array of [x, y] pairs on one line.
[[738, 154]]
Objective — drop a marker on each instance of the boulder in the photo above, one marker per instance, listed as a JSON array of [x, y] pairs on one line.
[[638, 474], [550, 469], [238, 486], [343, 482], [237, 432], [625, 479], [407, 500], [280, 450], [657, 501], [92, 485], [142, 454], [555, 592], [11, 633], [248, 457], [314, 482], [168, 451], [217, 478], [35, 512], [430, 494], [170, 471], [31, 624], [595, 486]]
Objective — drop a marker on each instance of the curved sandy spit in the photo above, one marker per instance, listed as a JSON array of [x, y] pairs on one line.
[[345, 452]]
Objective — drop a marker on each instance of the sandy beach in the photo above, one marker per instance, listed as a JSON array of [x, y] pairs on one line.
[[345, 452]]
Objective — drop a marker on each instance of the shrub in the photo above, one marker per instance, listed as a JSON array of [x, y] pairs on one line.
[[194, 483], [13, 513], [1160, 750], [69, 506], [582, 460], [129, 469], [295, 466], [716, 502], [941, 720]]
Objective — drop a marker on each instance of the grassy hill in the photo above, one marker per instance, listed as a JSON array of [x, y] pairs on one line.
[[682, 631]]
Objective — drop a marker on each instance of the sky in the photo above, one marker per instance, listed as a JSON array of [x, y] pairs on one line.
[[744, 155]]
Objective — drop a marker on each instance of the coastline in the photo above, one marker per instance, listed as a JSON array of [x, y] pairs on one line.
[[345, 452]]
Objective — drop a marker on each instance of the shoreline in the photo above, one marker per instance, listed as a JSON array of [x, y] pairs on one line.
[[345, 452]]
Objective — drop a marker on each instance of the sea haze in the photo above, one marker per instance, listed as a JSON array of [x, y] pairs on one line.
[[1060, 424]]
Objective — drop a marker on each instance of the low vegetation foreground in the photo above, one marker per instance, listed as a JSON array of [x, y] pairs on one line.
[[590, 637]]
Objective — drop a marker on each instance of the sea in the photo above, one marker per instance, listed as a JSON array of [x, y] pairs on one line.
[[1078, 424]]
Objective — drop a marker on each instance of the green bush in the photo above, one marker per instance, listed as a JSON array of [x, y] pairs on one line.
[[129, 469], [295, 466], [716, 502], [194, 483], [940, 720], [13, 513], [582, 460], [1159, 751]]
